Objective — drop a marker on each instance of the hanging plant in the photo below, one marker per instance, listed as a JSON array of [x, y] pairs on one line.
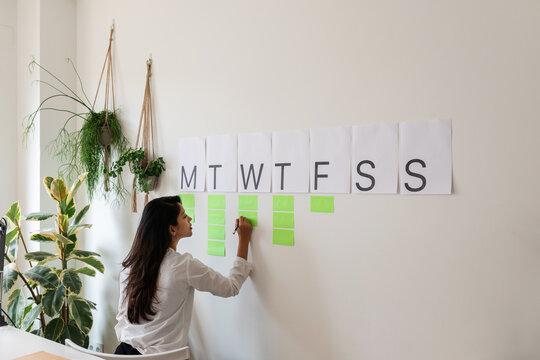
[[142, 161], [146, 173], [90, 148]]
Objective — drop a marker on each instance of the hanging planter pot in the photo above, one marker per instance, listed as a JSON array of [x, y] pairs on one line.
[[151, 183], [106, 136]]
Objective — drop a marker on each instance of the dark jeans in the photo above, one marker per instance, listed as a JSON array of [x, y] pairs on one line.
[[126, 349]]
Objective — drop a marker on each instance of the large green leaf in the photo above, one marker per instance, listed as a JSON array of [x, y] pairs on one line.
[[41, 237], [73, 333], [59, 189], [74, 229], [70, 209], [75, 187], [11, 272], [11, 235], [83, 253], [14, 213], [30, 317], [16, 304], [38, 216], [53, 300], [43, 276], [92, 261], [40, 256], [54, 329], [12, 240], [71, 280], [63, 223], [64, 240], [80, 313], [86, 271], [47, 182], [81, 215], [70, 247]]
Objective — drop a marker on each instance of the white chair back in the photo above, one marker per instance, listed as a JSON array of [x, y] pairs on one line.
[[178, 354]]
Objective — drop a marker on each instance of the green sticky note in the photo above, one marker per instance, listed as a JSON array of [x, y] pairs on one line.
[[251, 216], [283, 203], [191, 214], [247, 202], [216, 248], [322, 204], [283, 237], [216, 217], [188, 200], [216, 232], [216, 202], [284, 220]]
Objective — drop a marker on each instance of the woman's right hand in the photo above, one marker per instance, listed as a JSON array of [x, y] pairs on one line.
[[244, 229], [244, 236]]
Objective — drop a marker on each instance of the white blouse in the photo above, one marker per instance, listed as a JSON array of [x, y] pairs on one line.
[[179, 275]]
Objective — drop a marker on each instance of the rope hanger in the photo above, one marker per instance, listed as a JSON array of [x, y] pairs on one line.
[[109, 93], [146, 124]]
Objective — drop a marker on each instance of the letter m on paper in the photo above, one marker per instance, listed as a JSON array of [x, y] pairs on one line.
[[192, 178]]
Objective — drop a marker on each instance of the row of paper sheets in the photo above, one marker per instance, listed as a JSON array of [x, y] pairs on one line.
[[361, 159]]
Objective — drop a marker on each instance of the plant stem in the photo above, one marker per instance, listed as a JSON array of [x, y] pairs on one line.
[[36, 299]]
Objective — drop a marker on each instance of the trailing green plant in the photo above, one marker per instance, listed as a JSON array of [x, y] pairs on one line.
[[142, 169], [55, 309], [81, 150]]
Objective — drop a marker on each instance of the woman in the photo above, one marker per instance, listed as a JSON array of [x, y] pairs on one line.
[[157, 283]]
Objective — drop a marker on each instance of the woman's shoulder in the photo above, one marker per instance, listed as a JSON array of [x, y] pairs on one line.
[[174, 258]]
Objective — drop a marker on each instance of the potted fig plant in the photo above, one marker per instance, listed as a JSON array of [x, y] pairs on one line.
[[55, 308]]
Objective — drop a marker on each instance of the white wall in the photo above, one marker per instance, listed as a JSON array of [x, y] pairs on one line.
[[385, 277], [8, 103]]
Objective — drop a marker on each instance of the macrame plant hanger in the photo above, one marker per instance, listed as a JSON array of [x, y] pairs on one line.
[[109, 93], [146, 123]]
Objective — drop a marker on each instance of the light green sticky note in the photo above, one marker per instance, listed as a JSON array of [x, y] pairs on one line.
[[248, 202], [188, 200], [251, 216], [283, 203], [216, 217], [216, 248], [284, 220], [283, 237], [216, 202], [322, 204], [191, 214], [216, 232]]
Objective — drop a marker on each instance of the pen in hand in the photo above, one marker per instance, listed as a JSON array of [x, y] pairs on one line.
[[236, 228]]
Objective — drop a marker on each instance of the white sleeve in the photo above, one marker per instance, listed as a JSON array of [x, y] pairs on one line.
[[204, 278]]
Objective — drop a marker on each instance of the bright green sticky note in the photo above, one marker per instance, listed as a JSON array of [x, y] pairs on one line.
[[251, 216], [188, 200], [247, 202], [216, 232], [216, 248], [283, 237], [322, 204], [283, 203], [216, 202], [216, 217], [284, 220], [191, 214]]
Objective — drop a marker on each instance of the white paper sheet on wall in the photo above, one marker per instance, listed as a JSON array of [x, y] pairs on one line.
[[375, 158], [192, 164], [254, 162], [290, 160], [221, 163], [426, 157], [330, 163]]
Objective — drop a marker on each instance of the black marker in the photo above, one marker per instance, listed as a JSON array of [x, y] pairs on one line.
[[236, 228]]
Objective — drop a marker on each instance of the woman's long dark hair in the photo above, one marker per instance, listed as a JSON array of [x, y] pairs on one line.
[[144, 259]]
